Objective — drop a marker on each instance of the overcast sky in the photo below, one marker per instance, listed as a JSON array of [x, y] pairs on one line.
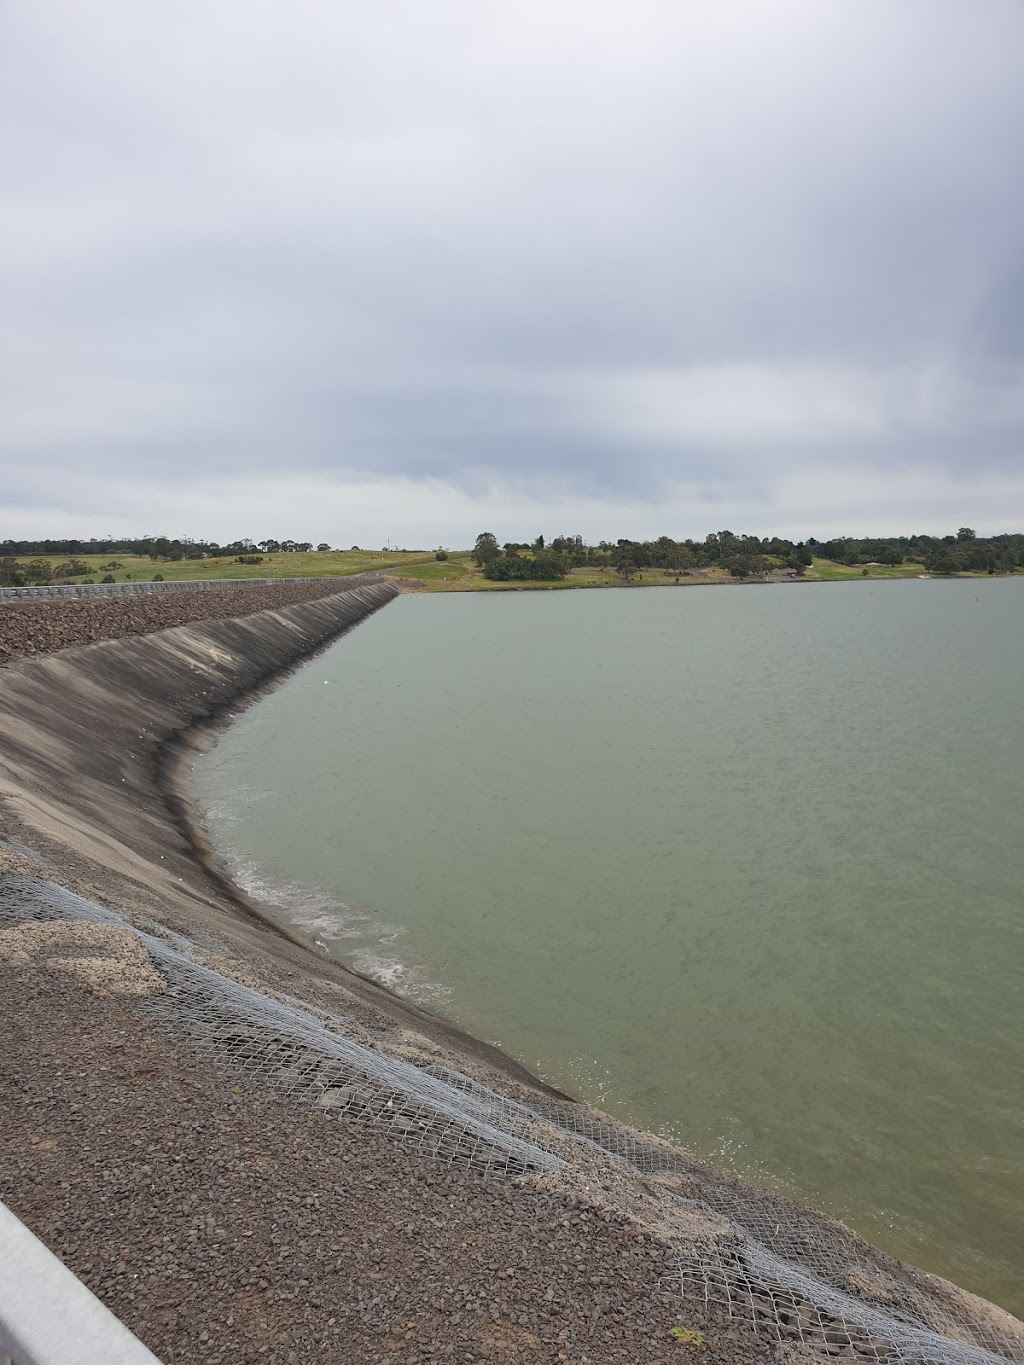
[[412, 269]]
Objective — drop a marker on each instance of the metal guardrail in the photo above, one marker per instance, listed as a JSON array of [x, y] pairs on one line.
[[54, 590], [47, 1316]]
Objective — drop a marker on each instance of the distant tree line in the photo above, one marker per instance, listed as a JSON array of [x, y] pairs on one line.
[[503, 566], [160, 549], [156, 547], [743, 556], [965, 552], [16, 575]]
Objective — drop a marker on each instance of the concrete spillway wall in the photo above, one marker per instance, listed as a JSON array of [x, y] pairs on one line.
[[89, 736]]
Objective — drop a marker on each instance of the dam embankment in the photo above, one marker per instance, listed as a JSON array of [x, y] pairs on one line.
[[92, 732], [222, 1219], [44, 627], [93, 738]]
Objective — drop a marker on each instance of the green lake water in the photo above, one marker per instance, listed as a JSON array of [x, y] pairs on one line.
[[742, 865]]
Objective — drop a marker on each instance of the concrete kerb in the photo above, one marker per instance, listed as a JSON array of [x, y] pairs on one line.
[[47, 1316]]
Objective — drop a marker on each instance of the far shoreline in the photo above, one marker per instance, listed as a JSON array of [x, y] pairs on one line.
[[408, 585]]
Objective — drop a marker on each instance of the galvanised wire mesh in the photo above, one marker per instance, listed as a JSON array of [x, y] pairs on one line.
[[777, 1299], [782, 1271], [26, 900], [257, 1037], [793, 1233], [789, 1272], [13, 846]]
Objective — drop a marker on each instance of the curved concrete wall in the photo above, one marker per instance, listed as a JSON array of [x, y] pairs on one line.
[[87, 735]]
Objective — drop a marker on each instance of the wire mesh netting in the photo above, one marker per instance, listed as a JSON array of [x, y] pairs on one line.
[[13, 846], [789, 1273], [783, 1271], [260, 1038], [778, 1299]]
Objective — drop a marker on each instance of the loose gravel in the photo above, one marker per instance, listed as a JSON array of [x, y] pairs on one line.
[[28, 627], [224, 1224]]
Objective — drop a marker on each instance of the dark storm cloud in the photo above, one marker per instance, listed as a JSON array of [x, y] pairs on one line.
[[688, 260]]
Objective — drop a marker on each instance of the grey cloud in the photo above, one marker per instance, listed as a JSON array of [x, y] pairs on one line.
[[600, 250]]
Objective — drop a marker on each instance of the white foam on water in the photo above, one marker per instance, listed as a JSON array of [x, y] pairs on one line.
[[591, 1077], [353, 936], [384, 970]]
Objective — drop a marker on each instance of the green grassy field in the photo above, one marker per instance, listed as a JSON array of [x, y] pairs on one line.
[[322, 564], [456, 574], [827, 571]]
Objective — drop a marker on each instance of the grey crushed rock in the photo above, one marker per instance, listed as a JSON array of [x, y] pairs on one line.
[[240, 1227], [28, 627]]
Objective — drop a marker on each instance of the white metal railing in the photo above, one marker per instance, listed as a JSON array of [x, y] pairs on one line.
[[47, 1316], [51, 590]]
